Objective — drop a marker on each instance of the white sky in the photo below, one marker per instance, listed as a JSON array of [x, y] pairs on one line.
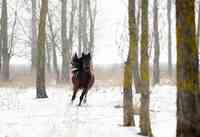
[[109, 25]]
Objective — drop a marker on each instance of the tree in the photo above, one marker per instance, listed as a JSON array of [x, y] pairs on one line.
[[128, 77], [145, 124], [198, 27], [92, 16], [156, 68], [33, 35], [40, 83], [65, 43], [54, 45], [5, 52], [169, 37], [136, 74], [188, 113]]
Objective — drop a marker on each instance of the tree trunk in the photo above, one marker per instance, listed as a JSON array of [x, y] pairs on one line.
[[80, 28], [169, 37], [145, 123], [136, 74], [156, 68], [128, 77], [71, 28], [55, 64], [48, 60], [34, 35], [198, 29], [40, 83], [84, 27], [92, 15], [187, 71], [4, 26], [65, 44]]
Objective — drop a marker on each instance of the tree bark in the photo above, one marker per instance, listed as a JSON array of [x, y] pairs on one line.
[[33, 35], [80, 47], [136, 74], [128, 70], [5, 53], [145, 123], [187, 71], [156, 67], [169, 37], [65, 44], [84, 26], [55, 64], [40, 82]]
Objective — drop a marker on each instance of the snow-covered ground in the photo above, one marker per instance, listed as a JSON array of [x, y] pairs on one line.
[[21, 115]]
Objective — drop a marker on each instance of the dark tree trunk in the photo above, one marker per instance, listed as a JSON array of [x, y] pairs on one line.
[[156, 68], [145, 123], [40, 83], [5, 52], [187, 71]]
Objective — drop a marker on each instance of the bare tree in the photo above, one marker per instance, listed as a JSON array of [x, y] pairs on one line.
[[145, 124], [54, 45], [5, 52], [188, 93], [156, 68], [65, 43], [33, 35], [169, 3], [40, 83], [128, 77]]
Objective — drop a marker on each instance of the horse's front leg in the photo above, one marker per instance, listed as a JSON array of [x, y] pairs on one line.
[[82, 95], [74, 94], [85, 97]]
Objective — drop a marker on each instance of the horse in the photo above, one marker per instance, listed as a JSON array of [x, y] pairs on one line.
[[82, 76]]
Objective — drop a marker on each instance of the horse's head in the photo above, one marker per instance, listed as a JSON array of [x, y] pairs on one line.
[[76, 63], [86, 58]]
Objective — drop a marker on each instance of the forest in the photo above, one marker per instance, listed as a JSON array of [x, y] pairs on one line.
[[99, 68]]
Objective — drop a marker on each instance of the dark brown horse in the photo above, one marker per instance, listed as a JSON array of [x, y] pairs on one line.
[[82, 76]]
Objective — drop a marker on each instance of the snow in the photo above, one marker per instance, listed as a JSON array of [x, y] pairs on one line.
[[22, 115]]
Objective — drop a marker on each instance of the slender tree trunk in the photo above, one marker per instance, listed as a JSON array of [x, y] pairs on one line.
[[145, 123], [187, 71], [136, 74], [65, 44], [48, 51], [84, 25], [169, 37], [128, 77], [33, 35], [80, 28], [92, 15], [156, 68], [55, 64], [71, 28], [4, 26], [40, 83]]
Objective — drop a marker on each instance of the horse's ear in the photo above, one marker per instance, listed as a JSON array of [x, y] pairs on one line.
[[83, 54], [75, 56]]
